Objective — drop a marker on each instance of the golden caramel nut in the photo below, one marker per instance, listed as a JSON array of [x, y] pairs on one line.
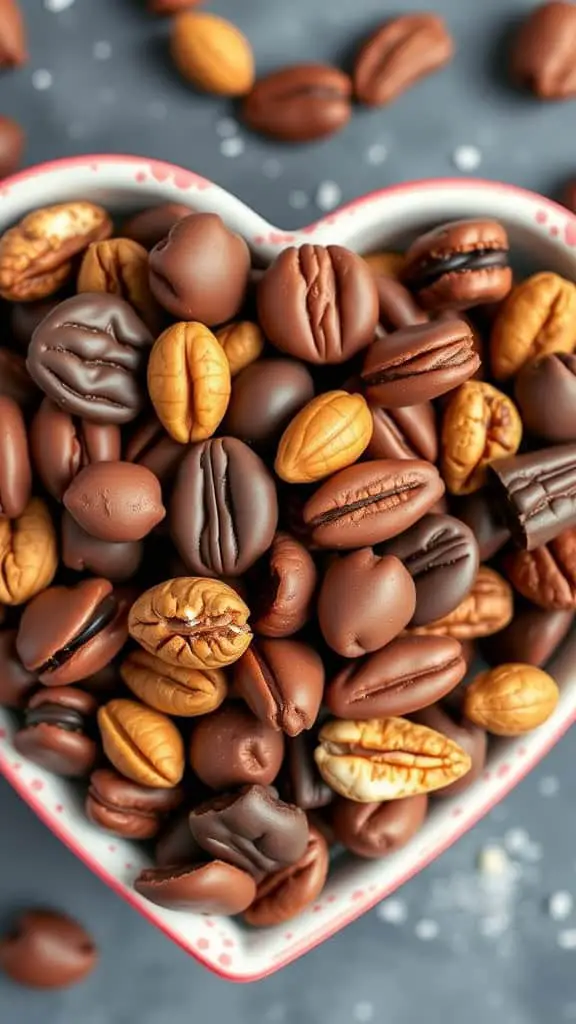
[[212, 53], [488, 608], [119, 266], [537, 318], [511, 699], [191, 622], [142, 744], [189, 382], [35, 256], [28, 553], [184, 692], [386, 759], [388, 264], [329, 433], [243, 343], [480, 425]]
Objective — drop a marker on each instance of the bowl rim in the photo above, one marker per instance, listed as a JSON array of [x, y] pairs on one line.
[[419, 186]]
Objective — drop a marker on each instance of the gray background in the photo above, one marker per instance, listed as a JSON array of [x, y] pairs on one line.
[[460, 940]]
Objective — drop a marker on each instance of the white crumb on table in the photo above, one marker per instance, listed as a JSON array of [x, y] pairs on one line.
[[57, 5], [102, 50], [376, 153], [549, 785], [560, 905], [426, 929], [232, 147], [466, 158], [328, 195], [226, 127], [516, 841], [393, 911], [298, 199], [566, 939], [493, 860], [363, 1012], [42, 79]]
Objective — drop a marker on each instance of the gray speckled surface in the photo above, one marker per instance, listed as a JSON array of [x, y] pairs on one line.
[[454, 941]]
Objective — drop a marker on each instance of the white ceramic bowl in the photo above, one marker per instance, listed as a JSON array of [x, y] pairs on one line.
[[378, 220]]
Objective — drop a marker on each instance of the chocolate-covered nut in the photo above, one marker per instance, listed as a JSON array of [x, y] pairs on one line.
[[126, 809], [481, 425], [214, 888], [185, 692], [15, 469], [191, 622], [176, 844], [364, 602], [469, 737], [398, 308], [330, 432], [200, 270], [302, 783], [150, 446], [45, 949], [537, 494], [67, 633], [299, 103], [318, 303], [284, 585], [532, 636], [232, 747], [265, 397], [488, 607], [376, 830], [415, 364], [537, 318], [405, 433], [409, 673], [88, 356], [545, 392], [54, 731], [547, 575], [25, 318], [481, 513], [224, 508], [399, 53], [85, 553], [372, 501], [441, 555], [251, 829], [115, 501], [282, 681], [150, 226], [16, 682], [542, 57], [12, 141], [15, 380], [28, 553], [142, 744], [286, 892], [458, 265], [62, 445]]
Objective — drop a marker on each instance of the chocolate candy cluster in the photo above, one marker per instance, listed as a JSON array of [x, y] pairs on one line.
[[254, 522]]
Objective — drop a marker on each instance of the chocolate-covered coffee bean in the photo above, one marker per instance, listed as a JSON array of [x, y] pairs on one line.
[[376, 830], [231, 747], [213, 888], [265, 397]]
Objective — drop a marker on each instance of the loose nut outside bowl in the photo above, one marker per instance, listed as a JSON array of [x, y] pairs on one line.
[[547, 234]]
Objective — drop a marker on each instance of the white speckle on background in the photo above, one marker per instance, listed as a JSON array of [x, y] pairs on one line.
[[107, 95], [377, 153], [272, 168], [363, 1012], [560, 905], [76, 130], [57, 5], [549, 785], [42, 79], [566, 939], [466, 158], [226, 127], [426, 929], [102, 50], [516, 840], [232, 147], [493, 860], [328, 195], [158, 109], [393, 911], [298, 199]]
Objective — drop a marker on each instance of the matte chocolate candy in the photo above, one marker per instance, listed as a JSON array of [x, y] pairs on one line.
[[299, 103], [282, 681], [231, 747], [214, 888], [67, 633], [54, 731], [251, 829], [399, 53], [16, 682], [460, 264], [85, 553], [62, 445], [46, 949], [224, 508], [469, 737], [318, 303], [88, 356], [531, 638], [405, 433], [15, 469], [283, 586], [376, 830], [415, 364], [480, 511], [302, 783], [537, 493], [371, 502], [364, 602], [200, 270], [126, 809], [398, 308], [150, 226], [115, 501], [409, 673], [441, 555], [545, 392], [285, 893], [265, 398]]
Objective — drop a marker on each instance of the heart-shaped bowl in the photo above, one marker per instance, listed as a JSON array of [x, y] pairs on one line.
[[540, 230]]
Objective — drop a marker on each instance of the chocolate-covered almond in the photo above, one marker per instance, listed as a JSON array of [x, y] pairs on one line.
[[282, 681], [115, 501], [299, 103], [404, 676], [15, 469]]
